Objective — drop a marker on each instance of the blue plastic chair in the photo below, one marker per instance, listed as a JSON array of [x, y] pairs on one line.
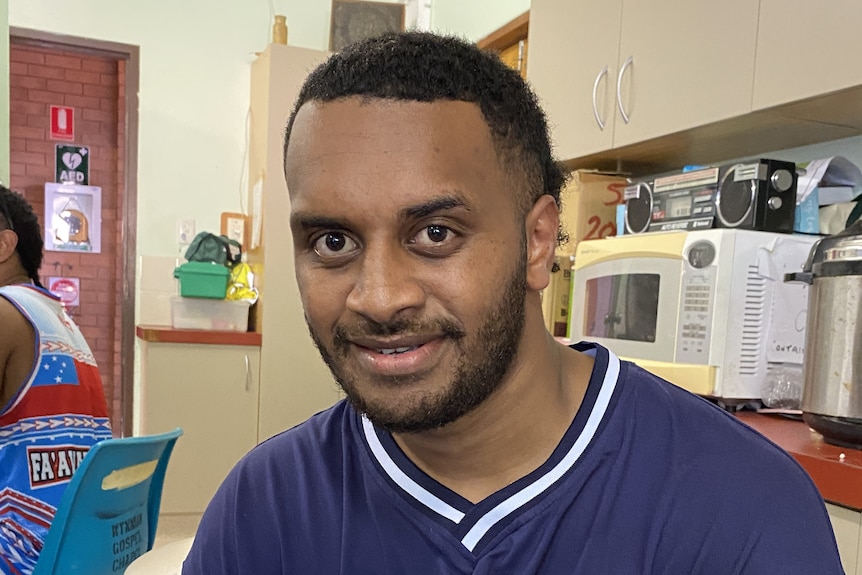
[[110, 510]]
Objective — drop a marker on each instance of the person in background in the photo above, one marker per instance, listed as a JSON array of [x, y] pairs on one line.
[[52, 405], [424, 213]]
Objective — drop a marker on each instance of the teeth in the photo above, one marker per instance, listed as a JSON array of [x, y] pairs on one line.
[[390, 351]]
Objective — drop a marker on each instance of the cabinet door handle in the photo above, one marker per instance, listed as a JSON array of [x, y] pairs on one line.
[[599, 121], [247, 373], [629, 61]]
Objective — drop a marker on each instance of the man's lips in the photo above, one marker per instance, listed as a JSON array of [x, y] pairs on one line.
[[400, 356], [393, 344]]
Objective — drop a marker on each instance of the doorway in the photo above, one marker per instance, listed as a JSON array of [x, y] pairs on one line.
[[92, 87]]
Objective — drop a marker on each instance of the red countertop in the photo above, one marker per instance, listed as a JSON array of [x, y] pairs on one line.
[[837, 471], [165, 334]]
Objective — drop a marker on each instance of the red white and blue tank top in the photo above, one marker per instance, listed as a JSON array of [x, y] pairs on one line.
[[46, 428]]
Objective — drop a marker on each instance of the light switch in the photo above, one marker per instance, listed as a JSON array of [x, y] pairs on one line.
[[185, 231]]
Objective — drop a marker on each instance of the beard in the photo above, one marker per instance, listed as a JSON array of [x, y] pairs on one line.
[[484, 358]]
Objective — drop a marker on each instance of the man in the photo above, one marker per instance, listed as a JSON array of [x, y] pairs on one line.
[[52, 406], [424, 212]]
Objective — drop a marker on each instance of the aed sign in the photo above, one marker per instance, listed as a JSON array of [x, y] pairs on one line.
[[72, 165], [62, 123]]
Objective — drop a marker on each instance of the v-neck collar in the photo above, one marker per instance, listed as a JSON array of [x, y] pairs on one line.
[[476, 524]]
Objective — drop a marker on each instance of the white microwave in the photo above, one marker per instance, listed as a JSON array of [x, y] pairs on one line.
[[708, 310]]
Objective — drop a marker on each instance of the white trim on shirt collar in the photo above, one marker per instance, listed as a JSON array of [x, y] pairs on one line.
[[522, 497], [403, 480]]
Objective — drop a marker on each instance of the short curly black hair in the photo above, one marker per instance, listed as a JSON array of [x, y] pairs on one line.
[[426, 67], [23, 221]]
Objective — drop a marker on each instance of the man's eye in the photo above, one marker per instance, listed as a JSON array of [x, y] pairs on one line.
[[436, 240], [434, 234], [333, 243]]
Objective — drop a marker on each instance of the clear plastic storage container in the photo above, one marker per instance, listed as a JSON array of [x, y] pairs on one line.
[[209, 314]]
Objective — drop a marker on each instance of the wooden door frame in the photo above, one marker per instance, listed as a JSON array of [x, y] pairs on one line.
[[131, 55], [510, 33]]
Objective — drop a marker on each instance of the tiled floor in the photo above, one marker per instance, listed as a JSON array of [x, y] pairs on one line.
[[171, 546], [166, 559], [175, 527]]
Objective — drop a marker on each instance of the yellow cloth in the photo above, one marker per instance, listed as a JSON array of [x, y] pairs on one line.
[[241, 283]]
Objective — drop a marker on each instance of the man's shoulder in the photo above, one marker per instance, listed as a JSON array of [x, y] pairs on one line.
[[314, 441], [13, 326], [10, 315], [710, 476], [17, 291], [21, 302], [707, 438], [308, 460]]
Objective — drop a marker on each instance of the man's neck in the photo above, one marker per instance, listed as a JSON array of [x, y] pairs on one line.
[[13, 277], [515, 430]]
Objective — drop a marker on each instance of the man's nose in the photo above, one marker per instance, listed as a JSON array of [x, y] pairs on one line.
[[386, 285]]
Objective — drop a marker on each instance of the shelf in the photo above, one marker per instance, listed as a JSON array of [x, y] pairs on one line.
[[164, 334]]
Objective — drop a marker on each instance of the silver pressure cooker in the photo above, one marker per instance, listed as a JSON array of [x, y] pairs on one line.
[[832, 364]]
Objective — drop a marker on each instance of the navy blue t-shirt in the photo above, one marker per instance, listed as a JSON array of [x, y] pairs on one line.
[[648, 479]]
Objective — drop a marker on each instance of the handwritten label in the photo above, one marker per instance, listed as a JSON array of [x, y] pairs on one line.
[[617, 191], [598, 229], [790, 348], [789, 309]]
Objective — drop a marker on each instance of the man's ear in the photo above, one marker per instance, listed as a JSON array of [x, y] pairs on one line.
[[542, 224], [8, 243]]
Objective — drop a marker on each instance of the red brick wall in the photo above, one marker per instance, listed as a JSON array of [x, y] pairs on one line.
[[92, 85]]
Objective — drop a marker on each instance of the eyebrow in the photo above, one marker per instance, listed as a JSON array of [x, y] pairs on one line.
[[315, 222], [446, 202]]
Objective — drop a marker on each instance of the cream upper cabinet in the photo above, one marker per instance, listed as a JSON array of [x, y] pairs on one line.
[[684, 63], [294, 382], [671, 65], [572, 66], [805, 49]]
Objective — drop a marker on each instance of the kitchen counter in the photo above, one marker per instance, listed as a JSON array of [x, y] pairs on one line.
[[837, 471], [166, 334]]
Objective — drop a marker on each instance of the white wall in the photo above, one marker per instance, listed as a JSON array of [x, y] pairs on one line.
[[193, 93], [850, 148], [195, 66], [474, 19]]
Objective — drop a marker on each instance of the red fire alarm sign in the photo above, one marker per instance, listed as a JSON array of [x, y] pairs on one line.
[[67, 289], [62, 123]]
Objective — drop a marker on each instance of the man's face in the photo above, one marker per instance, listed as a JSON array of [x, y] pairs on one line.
[[410, 255]]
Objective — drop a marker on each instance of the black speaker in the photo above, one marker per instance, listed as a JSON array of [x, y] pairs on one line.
[[639, 206], [757, 195]]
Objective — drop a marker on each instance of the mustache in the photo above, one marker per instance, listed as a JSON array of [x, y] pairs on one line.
[[344, 334]]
